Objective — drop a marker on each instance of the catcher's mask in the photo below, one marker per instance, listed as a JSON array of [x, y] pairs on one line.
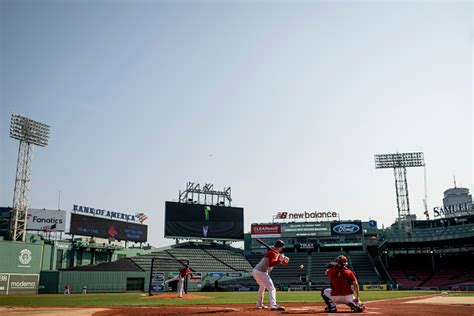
[[341, 260]]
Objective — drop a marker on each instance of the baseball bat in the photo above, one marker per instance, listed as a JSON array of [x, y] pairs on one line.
[[266, 245], [272, 249]]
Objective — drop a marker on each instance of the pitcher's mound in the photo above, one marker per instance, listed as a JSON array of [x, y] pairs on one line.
[[185, 296]]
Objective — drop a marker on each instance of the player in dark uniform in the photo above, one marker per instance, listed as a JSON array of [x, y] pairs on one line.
[[344, 287]]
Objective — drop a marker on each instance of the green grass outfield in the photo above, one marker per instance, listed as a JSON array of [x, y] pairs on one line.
[[138, 299]]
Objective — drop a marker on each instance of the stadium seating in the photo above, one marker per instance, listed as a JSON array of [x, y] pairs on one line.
[[201, 257], [452, 270], [363, 267], [410, 270], [319, 263], [125, 264], [416, 270]]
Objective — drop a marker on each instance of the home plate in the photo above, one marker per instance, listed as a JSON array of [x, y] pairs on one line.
[[305, 308], [351, 313]]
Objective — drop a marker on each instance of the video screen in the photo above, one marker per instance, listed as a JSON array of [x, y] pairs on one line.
[[203, 221], [107, 228]]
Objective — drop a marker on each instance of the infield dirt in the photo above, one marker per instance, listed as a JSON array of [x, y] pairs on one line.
[[416, 306]]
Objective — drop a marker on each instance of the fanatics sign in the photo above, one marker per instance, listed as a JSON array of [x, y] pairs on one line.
[[46, 220]]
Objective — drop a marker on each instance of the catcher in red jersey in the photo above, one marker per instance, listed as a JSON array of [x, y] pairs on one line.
[[344, 287], [261, 271]]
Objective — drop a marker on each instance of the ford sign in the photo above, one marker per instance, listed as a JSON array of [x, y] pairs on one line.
[[346, 229]]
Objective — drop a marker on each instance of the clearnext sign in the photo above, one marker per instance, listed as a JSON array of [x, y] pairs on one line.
[[346, 228], [105, 213]]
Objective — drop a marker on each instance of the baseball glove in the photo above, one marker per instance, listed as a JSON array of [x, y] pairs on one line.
[[332, 265]]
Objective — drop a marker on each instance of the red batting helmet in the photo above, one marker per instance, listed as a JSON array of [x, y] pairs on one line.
[[279, 243], [341, 260]]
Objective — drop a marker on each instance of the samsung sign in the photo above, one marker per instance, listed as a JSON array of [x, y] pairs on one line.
[[453, 210], [346, 228], [105, 213]]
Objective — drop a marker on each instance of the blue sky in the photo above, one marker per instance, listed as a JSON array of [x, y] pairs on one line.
[[291, 98]]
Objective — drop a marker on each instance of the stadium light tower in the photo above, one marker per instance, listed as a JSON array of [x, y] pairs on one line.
[[399, 162], [29, 133]]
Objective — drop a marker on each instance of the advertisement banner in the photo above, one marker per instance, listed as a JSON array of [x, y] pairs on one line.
[[216, 275], [374, 287], [265, 230], [22, 283], [195, 277], [4, 283], [234, 274], [372, 224], [462, 209], [158, 277], [346, 228], [137, 217], [157, 287], [106, 228], [203, 221], [306, 215], [305, 229], [305, 246], [46, 220]]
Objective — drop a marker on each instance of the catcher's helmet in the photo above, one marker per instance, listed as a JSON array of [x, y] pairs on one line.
[[341, 260]]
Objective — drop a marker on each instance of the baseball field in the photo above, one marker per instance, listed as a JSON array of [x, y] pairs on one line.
[[231, 303]]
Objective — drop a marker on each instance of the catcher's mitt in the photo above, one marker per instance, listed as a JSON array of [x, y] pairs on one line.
[[332, 265]]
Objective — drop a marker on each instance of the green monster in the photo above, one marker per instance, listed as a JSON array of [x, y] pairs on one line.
[[207, 209]]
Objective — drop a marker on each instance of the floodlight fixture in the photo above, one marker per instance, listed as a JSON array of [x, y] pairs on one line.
[[29, 133], [28, 130], [399, 162], [205, 194]]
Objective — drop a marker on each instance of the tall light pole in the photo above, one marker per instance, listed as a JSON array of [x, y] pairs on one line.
[[399, 162], [29, 133]]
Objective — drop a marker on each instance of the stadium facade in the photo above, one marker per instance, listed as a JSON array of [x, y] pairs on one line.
[[430, 254]]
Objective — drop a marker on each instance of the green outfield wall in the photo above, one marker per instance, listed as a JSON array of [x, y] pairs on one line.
[[21, 257], [95, 281]]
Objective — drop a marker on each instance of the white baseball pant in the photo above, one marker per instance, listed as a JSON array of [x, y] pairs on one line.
[[180, 287], [265, 282], [341, 299]]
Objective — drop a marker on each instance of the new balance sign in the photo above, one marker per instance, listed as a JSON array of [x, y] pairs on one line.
[[306, 215]]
